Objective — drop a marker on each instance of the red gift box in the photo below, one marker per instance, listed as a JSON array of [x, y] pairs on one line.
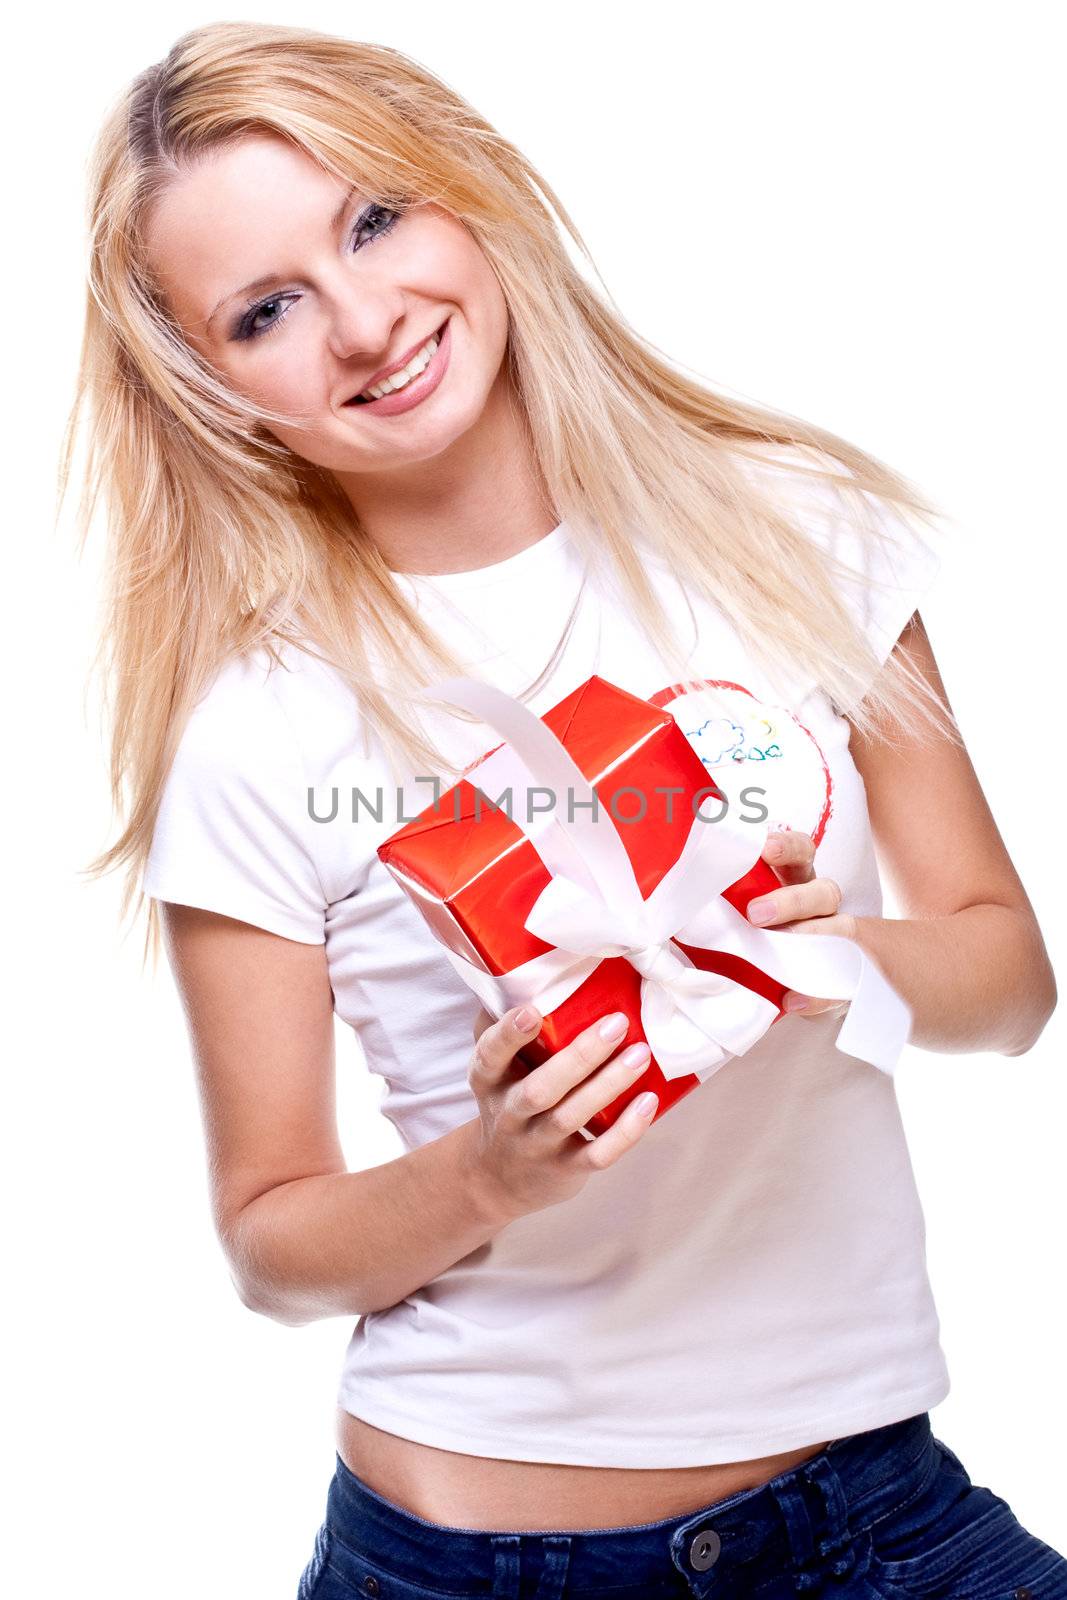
[[475, 875]]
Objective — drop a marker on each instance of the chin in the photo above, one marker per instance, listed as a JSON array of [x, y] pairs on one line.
[[423, 439]]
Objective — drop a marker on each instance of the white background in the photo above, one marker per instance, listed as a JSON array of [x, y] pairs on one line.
[[846, 211]]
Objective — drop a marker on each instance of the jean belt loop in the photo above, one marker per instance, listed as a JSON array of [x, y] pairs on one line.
[[506, 1555], [555, 1563], [815, 1510], [793, 1505], [836, 1542]]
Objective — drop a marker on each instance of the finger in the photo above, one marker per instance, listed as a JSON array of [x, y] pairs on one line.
[[546, 1085], [598, 1090], [495, 1048], [806, 1005], [607, 1147], [820, 898], [791, 853], [844, 925]]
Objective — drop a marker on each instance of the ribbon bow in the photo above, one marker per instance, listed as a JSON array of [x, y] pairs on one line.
[[591, 908]]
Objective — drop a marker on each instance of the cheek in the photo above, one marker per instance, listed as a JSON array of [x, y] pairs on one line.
[[448, 261], [290, 380], [486, 293], [283, 375]]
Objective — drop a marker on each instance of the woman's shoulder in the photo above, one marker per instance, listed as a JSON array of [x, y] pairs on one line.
[[821, 494], [234, 830], [881, 551], [280, 673], [270, 696], [801, 482]]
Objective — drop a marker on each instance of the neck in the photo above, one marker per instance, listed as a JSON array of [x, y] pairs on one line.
[[480, 500]]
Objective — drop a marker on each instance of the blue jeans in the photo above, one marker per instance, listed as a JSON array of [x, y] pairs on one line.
[[889, 1514]]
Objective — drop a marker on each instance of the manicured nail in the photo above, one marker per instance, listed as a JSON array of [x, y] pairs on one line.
[[525, 1019], [773, 848], [795, 1002], [761, 911], [635, 1055], [645, 1104], [615, 1026]]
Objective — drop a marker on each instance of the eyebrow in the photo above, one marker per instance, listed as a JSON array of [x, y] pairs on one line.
[[272, 277]]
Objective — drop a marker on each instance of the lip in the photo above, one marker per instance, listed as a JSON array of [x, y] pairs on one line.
[[420, 387]]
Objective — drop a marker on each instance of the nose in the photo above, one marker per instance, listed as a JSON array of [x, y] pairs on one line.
[[361, 323]]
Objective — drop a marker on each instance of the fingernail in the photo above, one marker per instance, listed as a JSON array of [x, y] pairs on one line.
[[645, 1104], [615, 1026], [761, 911], [635, 1055], [525, 1019], [795, 1002], [773, 848]]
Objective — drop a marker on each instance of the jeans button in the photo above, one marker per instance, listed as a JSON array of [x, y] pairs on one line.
[[704, 1550], [371, 1585]]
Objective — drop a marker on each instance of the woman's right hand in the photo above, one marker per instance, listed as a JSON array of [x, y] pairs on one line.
[[529, 1152]]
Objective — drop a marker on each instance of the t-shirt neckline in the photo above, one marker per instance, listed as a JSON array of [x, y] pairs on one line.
[[522, 563]]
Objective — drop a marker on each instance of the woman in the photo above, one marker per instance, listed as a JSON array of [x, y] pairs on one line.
[[361, 425]]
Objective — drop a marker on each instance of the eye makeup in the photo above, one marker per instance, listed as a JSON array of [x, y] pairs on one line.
[[245, 327]]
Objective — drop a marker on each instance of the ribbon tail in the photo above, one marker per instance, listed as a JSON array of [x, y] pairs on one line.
[[878, 1022]]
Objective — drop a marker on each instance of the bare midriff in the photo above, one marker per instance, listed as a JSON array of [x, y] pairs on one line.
[[494, 1494]]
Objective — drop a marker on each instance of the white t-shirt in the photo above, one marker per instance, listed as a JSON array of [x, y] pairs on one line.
[[751, 1276]]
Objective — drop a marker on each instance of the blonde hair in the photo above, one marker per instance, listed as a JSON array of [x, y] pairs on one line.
[[222, 540]]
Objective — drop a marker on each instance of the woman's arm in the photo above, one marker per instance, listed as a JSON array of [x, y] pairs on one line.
[[966, 953], [306, 1238]]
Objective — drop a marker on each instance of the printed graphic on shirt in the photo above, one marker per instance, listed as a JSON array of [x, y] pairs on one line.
[[754, 748], [758, 753]]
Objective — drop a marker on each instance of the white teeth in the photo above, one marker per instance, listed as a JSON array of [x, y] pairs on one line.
[[418, 363]]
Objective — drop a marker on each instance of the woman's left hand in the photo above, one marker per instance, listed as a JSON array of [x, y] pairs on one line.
[[804, 904]]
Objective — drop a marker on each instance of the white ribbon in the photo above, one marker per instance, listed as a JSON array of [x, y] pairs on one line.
[[694, 1021]]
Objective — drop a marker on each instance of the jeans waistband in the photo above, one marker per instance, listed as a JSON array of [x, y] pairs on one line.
[[805, 1516]]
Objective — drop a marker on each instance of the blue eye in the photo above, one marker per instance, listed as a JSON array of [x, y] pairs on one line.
[[371, 218]]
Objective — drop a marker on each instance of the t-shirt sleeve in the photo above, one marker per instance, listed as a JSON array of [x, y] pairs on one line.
[[882, 573], [233, 832], [889, 577]]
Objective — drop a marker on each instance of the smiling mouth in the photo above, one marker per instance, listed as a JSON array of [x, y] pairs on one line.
[[363, 399]]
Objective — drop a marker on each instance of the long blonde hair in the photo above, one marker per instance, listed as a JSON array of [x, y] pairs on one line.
[[222, 540]]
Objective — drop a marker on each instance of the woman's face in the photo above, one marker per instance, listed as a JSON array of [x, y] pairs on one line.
[[300, 292]]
